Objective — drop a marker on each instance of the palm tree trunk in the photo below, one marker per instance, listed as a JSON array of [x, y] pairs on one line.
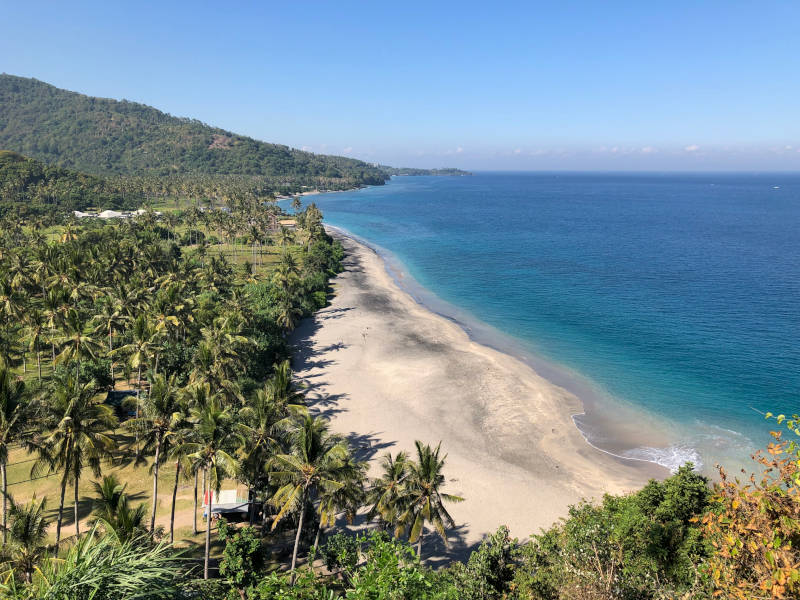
[[24, 363], [61, 508], [419, 542], [110, 350], [5, 501], [208, 532], [297, 537], [194, 515], [39, 362], [251, 504], [174, 495], [77, 525], [319, 532], [155, 484], [138, 391]]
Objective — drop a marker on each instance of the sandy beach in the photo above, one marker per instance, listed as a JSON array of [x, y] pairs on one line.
[[386, 371]]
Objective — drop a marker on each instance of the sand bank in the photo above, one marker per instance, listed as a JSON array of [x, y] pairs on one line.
[[387, 371]]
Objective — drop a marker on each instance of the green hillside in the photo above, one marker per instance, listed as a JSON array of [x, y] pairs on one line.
[[407, 171], [29, 187], [104, 137]]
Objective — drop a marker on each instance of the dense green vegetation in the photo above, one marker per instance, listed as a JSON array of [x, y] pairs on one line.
[[103, 137], [29, 188], [410, 171], [152, 305]]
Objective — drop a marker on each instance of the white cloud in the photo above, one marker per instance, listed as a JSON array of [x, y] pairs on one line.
[[347, 150], [692, 148], [649, 150], [459, 150], [306, 148], [518, 151]]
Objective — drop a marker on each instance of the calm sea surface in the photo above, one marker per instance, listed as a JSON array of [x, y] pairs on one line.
[[669, 303]]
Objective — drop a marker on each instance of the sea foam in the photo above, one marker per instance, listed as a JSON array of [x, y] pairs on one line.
[[671, 457]]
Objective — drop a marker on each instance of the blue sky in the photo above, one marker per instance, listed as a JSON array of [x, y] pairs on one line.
[[501, 85]]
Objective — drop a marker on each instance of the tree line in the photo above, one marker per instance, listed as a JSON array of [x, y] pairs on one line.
[[201, 343]]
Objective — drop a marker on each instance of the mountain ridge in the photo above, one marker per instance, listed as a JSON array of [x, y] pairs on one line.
[[104, 136]]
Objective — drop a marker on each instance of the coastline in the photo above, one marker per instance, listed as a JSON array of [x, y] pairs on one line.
[[387, 371]]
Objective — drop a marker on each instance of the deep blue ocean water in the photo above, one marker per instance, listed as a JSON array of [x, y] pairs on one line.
[[674, 299]]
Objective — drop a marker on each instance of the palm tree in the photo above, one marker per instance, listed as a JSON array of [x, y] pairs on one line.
[[347, 499], [35, 332], [13, 402], [288, 312], [182, 433], [218, 435], [110, 507], [285, 236], [160, 416], [77, 343], [423, 498], [195, 395], [139, 350], [266, 421], [280, 386], [108, 318], [316, 462], [386, 491], [75, 421], [28, 533]]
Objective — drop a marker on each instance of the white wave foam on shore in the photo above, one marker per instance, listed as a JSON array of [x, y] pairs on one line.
[[671, 457]]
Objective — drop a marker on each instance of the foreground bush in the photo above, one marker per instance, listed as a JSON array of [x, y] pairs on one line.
[[754, 527], [104, 569], [639, 546]]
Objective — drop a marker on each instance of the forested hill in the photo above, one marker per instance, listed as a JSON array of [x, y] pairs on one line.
[[31, 188], [413, 171], [104, 136]]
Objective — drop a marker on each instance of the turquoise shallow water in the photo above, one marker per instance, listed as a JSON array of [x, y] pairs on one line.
[[671, 302]]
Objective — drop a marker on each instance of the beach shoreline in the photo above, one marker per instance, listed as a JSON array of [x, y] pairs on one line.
[[387, 371]]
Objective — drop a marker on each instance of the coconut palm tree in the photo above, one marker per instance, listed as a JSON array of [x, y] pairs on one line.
[[347, 499], [13, 404], [386, 491], [107, 320], [77, 343], [316, 462], [140, 350], [288, 312], [182, 433], [218, 435], [281, 386], [35, 330], [266, 421], [422, 497], [27, 531], [110, 507], [75, 422], [160, 415]]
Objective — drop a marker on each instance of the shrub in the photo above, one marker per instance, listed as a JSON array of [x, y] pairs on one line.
[[754, 526], [341, 551], [490, 570], [243, 557]]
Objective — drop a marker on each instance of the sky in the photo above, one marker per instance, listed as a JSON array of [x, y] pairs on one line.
[[583, 85]]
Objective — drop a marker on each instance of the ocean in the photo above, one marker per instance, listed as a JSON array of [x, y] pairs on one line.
[[669, 303]]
